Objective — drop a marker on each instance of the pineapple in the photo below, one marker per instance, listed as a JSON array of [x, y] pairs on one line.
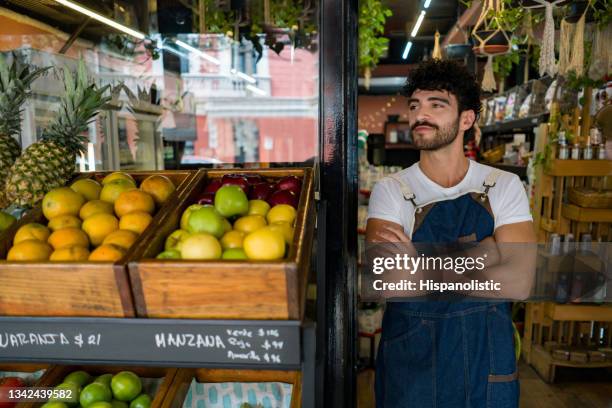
[[50, 162], [15, 81]]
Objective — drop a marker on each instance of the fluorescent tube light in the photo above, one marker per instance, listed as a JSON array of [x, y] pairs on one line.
[[419, 21], [427, 4], [256, 90], [407, 50], [198, 52], [101, 18]]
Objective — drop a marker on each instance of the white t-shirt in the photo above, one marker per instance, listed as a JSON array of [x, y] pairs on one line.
[[508, 199]]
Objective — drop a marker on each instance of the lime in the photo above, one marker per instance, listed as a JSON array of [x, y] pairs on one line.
[[142, 401], [71, 396], [54, 404], [81, 378], [126, 386], [95, 392], [119, 404], [104, 379], [101, 404], [6, 220]]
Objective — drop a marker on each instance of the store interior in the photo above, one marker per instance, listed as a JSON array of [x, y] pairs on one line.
[[184, 189]]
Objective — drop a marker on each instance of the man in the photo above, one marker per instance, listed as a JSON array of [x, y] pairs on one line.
[[435, 353]]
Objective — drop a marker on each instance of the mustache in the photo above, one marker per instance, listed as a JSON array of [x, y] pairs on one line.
[[424, 123]]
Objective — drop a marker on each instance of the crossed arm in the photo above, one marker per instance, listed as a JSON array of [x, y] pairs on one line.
[[512, 261]]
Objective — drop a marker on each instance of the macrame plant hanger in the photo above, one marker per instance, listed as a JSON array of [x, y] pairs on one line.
[[487, 28], [437, 52], [546, 63]]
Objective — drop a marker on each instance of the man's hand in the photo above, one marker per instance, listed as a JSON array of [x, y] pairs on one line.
[[378, 231]]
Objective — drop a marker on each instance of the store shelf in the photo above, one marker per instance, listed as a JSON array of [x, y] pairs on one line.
[[586, 168], [515, 125], [579, 312], [240, 344], [520, 171], [580, 214]]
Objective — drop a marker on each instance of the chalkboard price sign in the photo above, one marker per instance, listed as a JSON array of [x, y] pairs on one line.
[[231, 343]]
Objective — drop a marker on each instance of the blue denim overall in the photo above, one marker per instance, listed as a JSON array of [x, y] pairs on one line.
[[440, 354]]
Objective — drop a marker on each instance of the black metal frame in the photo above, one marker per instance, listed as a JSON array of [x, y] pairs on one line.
[[337, 217]]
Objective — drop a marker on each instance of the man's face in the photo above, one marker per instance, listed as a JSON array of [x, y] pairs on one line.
[[434, 119]]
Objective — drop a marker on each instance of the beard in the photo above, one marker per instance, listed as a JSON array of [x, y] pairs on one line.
[[442, 137]]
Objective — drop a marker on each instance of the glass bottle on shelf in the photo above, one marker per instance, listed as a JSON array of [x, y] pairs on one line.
[[563, 152]]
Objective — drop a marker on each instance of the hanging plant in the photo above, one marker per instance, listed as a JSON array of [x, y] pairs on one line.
[[372, 45]]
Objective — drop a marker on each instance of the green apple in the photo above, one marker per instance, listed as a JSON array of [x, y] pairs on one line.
[[170, 254], [6, 220], [231, 200], [206, 219], [187, 213], [227, 225], [175, 238], [234, 254]]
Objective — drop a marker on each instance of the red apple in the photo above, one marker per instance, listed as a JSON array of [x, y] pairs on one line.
[[213, 186], [290, 183], [260, 191], [236, 180], [283, 197], [7, 384], [253, 179], [206, 198]]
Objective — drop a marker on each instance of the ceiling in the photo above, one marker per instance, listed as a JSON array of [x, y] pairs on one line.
[[441, 15]]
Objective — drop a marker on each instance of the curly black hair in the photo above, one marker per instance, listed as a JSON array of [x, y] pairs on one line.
[[446, 75]]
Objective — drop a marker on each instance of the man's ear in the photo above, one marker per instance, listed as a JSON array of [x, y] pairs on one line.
[[466, 120]]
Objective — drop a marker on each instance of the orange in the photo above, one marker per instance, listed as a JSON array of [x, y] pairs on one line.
[[111, 191], [121, 238], [68, 237], [75, 253], [249, 223], [99, 226], [32, 231], [64, 221], [159, 187], [232, 239], [30, 250], [134, 201], [110, 253], [118, 175], [62, 201], [94, 207], [284, 228], [88, 188], [265, 244], [281, 213], [136, 221]]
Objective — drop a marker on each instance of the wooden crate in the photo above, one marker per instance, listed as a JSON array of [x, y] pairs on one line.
[[92, 289], [226, 289], [175, 397], [56, 375], [27, 368]]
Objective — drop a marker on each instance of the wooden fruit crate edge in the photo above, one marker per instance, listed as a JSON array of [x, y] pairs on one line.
[[299, 255], [178, 392]]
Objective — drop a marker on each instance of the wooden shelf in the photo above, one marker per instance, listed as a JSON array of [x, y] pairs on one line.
[[580, 168], [581, 214], [573, 364], [578, 312], [515, 125]]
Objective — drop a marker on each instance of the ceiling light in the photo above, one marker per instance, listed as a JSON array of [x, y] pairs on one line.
[[407, 50], [198, 52], [102, 19], [427, 4], [419, 21], [256, 90]]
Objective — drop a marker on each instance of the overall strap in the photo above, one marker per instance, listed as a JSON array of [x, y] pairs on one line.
[[406, 190], [489, 183]]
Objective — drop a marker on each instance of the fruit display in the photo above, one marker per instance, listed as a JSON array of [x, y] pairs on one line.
[[15, 82], [7, 384], [90, 220], [121, 390], [50, 162], [238, 217]]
